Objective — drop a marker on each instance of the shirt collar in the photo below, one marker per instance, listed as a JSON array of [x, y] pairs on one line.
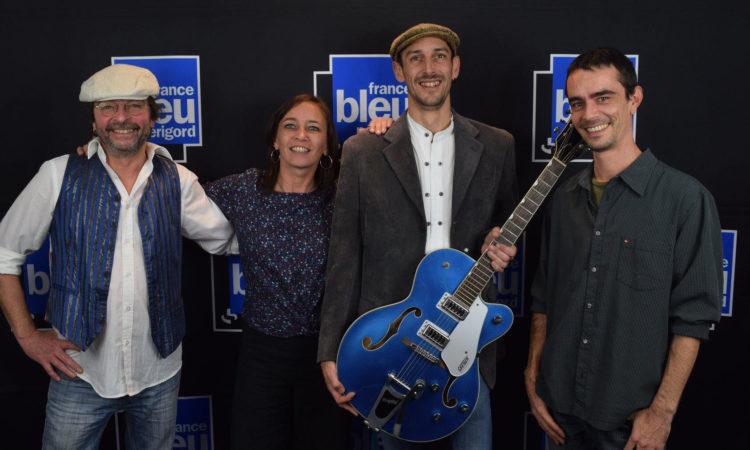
[[584, 177], [94, 147], [417, 129], [636, 175]]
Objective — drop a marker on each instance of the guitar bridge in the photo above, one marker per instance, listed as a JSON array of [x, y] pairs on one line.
[[434, 335], [423, 353], [450, 306]]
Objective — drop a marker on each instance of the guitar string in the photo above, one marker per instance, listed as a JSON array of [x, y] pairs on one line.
[[416, 362]]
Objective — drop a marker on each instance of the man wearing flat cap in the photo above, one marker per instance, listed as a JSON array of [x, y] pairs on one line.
[[434, 180], [115, 217]]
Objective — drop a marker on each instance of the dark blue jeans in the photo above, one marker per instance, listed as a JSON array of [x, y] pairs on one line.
[[77, 415]]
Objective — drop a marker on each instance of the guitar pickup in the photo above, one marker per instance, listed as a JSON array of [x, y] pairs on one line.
[[434, 335], [453, 308]]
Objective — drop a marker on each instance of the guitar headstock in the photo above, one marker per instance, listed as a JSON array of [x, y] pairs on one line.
[[569, 144]]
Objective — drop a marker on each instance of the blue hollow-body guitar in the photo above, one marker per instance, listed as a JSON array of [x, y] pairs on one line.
[[413, 364]]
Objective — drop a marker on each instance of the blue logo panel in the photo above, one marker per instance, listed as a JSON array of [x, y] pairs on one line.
[[36, 279], [509, 283], [194, 429], [363, 88], [560, 106], [179, 97], [227, 292], [236, 285], [729, 241]]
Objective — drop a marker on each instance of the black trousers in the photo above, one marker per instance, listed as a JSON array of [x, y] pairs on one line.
[[280, 399], [579, 435]]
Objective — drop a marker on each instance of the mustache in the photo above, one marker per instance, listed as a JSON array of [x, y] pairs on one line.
[[120, 125], [592, 123], [430, 76]]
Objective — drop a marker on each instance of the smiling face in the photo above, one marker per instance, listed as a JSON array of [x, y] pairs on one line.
[[428, 68], [301, 138], [123, 133], [600, 108]]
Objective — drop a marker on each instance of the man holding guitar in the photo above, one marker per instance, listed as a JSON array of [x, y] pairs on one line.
[[629, 281], [434, 180]]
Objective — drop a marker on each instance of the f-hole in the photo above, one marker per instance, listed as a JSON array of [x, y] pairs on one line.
[[449, 402], [392, 329]]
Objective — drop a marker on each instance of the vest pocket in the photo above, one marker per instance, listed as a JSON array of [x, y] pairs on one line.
[[644, 264], [62, 289]]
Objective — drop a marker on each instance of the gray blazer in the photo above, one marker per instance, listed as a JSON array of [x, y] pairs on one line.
[[379, 226]]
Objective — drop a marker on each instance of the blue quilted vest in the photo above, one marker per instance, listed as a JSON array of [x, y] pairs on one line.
[[83, 234]]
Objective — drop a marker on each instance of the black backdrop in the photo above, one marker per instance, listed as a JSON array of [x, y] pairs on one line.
[[693, 67]]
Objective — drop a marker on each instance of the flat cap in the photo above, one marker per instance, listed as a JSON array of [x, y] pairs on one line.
[[417, 32], [119, 81]]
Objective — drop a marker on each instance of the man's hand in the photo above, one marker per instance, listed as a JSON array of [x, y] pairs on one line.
[[500, 255], [540, 411], [651, 426], [650, 429], [330, 374], [48, 350], [43, 347]]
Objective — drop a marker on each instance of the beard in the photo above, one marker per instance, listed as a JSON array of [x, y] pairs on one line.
[[427, 102], [143, 133], [599, 148], [602, 144]]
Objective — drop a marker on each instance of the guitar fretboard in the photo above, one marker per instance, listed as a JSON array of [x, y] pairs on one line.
[[478, 277]]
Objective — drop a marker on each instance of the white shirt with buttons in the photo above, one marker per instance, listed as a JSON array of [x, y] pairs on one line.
[[435, 155]]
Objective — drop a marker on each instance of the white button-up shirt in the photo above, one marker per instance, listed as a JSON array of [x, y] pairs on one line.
[[123, 359], [435, 155]]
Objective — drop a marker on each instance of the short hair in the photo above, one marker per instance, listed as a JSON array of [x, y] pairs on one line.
[[325, 178], [604, 57]]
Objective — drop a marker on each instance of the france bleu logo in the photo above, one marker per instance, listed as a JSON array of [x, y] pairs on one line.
[[550, 107], [509, 283], [360, 88], [36, 279], [179, 98], [194, 429], [729, 247], [228, 299]]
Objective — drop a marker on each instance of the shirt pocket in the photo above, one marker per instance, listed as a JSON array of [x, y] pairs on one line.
[[644, 264]]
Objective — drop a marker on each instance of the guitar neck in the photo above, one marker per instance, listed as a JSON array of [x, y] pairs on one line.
[[478, 277]]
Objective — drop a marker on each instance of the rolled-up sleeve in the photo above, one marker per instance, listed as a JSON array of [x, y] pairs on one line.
[[695, 301], [26, 224], [202, 220]]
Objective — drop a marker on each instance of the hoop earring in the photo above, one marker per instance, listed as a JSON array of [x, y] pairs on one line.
[[328, 164], [275, 155]]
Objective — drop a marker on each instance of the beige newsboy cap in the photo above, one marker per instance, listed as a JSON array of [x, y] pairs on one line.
[[417, 32], [119, 81]]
